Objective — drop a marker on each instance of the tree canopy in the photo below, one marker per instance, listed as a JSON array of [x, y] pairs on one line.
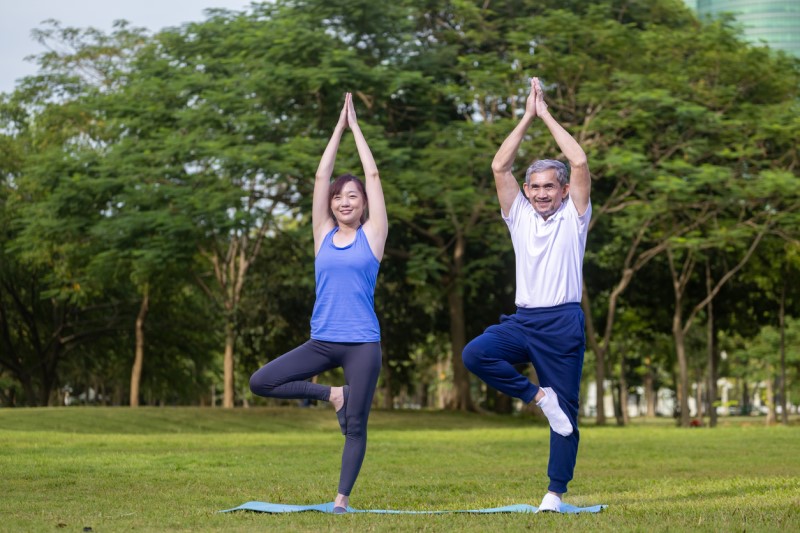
[[155, 192]]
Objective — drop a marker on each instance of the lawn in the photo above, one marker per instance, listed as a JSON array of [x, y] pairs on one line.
[[172, 469]]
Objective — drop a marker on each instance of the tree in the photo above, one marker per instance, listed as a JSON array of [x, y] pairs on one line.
[[773, 272], [51, 308], [665, 121], [137, 166], [235, 108]]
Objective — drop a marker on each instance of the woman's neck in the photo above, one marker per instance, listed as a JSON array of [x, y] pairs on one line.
[[347, 229], [344, 235]]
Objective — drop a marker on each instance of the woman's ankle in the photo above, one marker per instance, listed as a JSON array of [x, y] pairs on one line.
[[341, 501]]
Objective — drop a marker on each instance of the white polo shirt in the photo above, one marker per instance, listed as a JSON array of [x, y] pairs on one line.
[[549, 253]]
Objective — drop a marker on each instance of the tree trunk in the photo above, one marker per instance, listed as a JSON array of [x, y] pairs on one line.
[[623, 393], [782, 327], [230, 272], [503, 404], [462, 400], [771, 418], [683, 369], [138, 359], [49, 372], [230, 339], [745, 397], [443, 395], [27, 386], [699, 395], [679, 281], [649, 389], [712, 385], [615, 394], [50, 353], [711, 346], [599, 356], [386, 375], [423, 395]]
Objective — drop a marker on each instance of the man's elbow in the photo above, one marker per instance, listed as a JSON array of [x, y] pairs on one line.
[[499, 167], [580, 162]]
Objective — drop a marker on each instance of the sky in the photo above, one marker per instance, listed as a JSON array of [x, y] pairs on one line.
[[19, 17]]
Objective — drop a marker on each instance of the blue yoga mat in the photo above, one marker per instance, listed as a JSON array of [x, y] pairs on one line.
[[263, 507]]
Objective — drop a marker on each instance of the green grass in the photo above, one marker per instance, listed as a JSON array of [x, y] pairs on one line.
[[172, 469]]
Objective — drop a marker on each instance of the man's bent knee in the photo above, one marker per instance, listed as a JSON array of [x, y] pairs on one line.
[[472, 356]]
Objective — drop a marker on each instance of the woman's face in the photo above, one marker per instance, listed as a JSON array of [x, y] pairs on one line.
[[348, 205]]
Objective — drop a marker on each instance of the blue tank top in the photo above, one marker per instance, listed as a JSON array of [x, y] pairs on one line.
[[344, 310]]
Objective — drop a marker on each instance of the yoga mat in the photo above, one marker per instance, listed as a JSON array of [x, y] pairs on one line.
[[264, 507]]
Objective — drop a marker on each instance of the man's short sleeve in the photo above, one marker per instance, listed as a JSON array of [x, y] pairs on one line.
[[515, 213]]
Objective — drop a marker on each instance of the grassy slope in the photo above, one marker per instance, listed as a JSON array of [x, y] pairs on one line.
[[171, 469]]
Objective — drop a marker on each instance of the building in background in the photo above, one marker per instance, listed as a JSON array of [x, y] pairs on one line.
[[775, 22]]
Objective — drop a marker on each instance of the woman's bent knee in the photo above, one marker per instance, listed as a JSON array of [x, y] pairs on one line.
[[258, 385]]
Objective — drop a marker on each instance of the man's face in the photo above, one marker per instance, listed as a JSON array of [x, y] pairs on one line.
[[544, 192]]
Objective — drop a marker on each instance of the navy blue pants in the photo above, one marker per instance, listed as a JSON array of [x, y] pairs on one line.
[[553, 340], [285, 377]]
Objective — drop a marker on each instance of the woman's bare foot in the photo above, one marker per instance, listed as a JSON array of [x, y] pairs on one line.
[[337, 397], [341, 501]]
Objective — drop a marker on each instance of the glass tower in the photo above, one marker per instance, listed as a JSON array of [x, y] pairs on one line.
[[776, 22]]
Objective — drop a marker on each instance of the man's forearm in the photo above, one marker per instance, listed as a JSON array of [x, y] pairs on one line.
[[568, 145], [504, 159]]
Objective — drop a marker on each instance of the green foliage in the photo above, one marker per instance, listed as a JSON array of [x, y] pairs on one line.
[[759, 358], [137, 162]]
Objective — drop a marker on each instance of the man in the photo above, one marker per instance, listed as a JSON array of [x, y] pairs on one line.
[[548, 226]]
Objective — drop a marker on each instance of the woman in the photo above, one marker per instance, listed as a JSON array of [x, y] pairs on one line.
[[345, 333]]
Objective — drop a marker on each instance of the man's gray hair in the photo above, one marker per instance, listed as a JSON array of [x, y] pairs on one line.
[[542, 165]]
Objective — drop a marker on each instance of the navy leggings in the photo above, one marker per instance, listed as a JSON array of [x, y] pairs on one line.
[[285, 377], [553, 340]]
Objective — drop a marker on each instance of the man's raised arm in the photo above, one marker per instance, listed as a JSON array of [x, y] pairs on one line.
[[580, 181], [507, 186]]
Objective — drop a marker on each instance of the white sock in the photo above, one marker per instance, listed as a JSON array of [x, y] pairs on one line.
[[550, 502], [555, 415]]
